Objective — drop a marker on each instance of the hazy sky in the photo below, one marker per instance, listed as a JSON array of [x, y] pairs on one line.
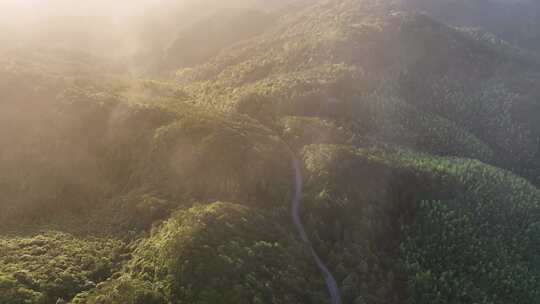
[[23, 11], [15, 9], [44, 18], [111, 27], [105, 26]]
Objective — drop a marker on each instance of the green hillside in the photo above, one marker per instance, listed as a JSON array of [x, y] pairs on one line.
[[418, 146]]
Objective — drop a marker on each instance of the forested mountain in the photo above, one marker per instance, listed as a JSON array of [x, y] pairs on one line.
[[204, 39], [409, 142], [516, 21]]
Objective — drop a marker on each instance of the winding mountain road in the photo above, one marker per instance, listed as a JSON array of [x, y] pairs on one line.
[[331, 283]]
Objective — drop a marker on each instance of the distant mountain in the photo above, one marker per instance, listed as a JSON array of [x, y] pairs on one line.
[[516, 21], [206, 38], [220, 27]]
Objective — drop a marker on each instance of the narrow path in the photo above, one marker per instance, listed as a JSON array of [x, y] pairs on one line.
[[331, 283]]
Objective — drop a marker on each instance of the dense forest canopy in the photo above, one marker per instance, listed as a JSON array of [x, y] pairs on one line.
[[331, 151]]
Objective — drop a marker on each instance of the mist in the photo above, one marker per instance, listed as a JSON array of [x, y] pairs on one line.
[[132, 32], [99, 27]]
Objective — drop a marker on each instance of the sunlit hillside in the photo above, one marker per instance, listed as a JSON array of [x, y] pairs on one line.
[[268, 152]]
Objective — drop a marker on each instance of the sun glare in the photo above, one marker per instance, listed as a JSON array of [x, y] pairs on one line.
[[17, 8]]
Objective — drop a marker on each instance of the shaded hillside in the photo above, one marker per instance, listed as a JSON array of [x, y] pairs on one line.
[[100, 144], [452, 230], [206, 38], [515, 21]]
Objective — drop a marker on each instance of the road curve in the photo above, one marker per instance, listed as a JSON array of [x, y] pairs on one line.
[[331, 283]]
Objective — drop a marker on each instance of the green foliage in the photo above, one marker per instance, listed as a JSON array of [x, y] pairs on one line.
[[212, 253], [462, 255], [121, 291], [481, 245], [54, 265], [12, 291], [472, 240], [301, 131], [208, 156]]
